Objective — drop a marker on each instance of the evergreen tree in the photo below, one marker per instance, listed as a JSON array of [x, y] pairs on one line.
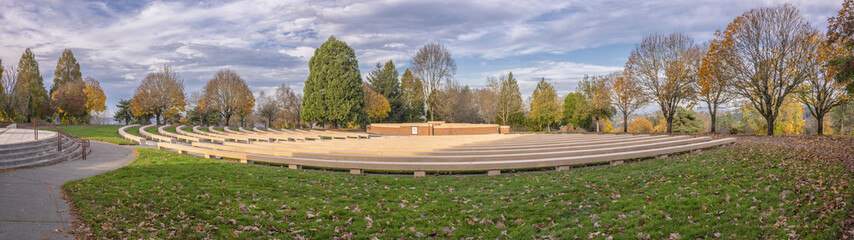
[[576, 110], [413, 97], [333, 90], [384, 81], [686, 121], [67, 70], [32, 85], [509, 99], [545, 109], [124, 112]]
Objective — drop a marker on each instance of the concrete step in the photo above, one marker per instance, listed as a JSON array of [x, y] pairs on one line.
[[8, 163], [39, 162]]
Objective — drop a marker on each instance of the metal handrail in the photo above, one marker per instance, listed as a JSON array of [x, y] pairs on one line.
[[38, 123]]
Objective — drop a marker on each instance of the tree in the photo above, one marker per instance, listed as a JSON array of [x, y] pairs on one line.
[[597, 91], [666, 66], [770, 55], [789, 122], [9, 93], [227, 93], [70, 99], [32, 86], [123, 113], [67, 70], [413, 96], [95, 98], [160, 94], [485, 99], [333, 90], [641, 125], [291, 105], [627, 95], [201, 110], [575, 110], [384, 80], [714, 77], [431, 65], [509, 99], [821, 92], [843, 118], [545, 109], [376, 106], [268, 108], [840, 31], [455, 103], [686, 121]]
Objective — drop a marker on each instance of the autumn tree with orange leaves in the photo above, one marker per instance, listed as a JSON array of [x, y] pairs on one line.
[[228, 93], [821, 92], [627, 95], [160, 94], [714, 77]]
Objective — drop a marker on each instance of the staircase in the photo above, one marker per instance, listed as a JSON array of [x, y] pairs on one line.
[[48, 149]]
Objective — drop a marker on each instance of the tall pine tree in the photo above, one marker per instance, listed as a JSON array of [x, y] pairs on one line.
[[333, 90], [32, 85], [384, 80], [67, 70]]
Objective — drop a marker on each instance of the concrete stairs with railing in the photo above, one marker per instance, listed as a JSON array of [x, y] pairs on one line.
[[39, 152]]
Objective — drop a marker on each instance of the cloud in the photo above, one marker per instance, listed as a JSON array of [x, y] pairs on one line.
[[269, 42]]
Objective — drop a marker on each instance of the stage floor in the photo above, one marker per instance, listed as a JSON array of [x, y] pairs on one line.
[[17, 135]]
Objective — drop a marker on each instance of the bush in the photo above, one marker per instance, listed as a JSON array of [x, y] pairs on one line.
[[640, 125]]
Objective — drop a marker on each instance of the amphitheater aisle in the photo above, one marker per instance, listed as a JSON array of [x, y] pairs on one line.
[[31, 206]]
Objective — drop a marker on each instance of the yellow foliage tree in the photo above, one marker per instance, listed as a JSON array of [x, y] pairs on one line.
[[641, 125], [608, 128], [95, 98], [790, 120], [377, 106]]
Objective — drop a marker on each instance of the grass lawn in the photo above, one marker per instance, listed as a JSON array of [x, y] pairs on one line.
[[204, 129], [170, 129], [739, 192], [134, 131], [153, 130], [99, 133]]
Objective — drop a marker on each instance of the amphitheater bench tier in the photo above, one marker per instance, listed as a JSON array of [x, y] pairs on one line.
[[19, 149], [419, 154]]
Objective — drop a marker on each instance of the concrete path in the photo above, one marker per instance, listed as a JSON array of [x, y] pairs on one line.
[[31, 206]]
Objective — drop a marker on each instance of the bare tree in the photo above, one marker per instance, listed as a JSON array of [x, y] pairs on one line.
[[291, 103], [229, 94], [485, 103], [770, 51], [627, 95], [9, 97], [268, 108], [431, 65], [666, 66]]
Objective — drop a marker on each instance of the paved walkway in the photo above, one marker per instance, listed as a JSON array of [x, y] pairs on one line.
[[31, 206], [18, 135]]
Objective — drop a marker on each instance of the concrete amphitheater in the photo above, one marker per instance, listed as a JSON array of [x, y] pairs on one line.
[[360, 151]]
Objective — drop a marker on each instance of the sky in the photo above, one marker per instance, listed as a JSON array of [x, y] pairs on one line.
[[269, 42]]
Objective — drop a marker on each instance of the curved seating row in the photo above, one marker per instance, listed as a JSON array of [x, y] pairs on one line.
[[419, 154]]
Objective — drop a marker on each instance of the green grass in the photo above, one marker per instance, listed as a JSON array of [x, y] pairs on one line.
[[152, 130], [133, 131], [98, 133], [204, 129], [739, 192], [170, 129]]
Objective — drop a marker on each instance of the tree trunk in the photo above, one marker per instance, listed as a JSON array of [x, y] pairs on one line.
[[625, 123], [769, 125], [712, 115], [669, 122], [819, 124], [597, 124], [157, 118]]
